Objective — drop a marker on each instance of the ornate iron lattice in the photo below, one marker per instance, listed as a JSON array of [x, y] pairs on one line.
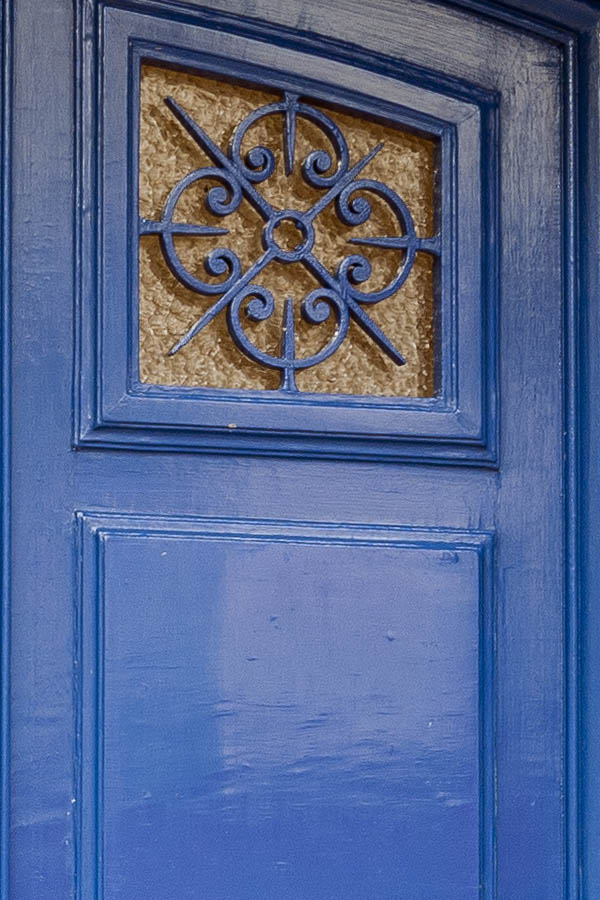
[[339, 295]]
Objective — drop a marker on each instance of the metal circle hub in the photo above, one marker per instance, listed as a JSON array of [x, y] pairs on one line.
[[306, 236]]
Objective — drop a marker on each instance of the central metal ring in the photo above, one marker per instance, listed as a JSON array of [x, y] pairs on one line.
[[306, 234]]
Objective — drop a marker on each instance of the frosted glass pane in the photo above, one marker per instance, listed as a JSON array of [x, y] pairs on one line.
[[168, 308]]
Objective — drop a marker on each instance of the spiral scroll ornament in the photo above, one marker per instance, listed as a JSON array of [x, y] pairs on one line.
[[341, 295]]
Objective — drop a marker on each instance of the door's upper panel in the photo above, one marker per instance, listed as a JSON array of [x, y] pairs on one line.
[[294, 253]]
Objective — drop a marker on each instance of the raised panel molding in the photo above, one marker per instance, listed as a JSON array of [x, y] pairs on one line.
[[140, 680], [116, 408]]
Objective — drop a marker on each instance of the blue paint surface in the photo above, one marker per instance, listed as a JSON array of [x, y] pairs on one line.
[[247, 716], [459, 423], [284, 733]]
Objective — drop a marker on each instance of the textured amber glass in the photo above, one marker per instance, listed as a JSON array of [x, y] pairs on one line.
[[167, 308]]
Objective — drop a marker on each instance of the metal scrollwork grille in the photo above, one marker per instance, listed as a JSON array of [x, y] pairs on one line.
[[222, 233]]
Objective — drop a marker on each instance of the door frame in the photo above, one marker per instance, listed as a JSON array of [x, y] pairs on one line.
[[575, 27]]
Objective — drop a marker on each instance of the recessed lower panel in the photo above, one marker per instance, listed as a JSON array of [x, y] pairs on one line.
[[284, 715]]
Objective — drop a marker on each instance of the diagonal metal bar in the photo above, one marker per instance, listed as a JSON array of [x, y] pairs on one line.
[[339, 186], [216, 154], [374, 331], [364, 320], [227, 297]]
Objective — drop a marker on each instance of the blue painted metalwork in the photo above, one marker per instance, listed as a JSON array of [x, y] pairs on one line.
[[340, 293]]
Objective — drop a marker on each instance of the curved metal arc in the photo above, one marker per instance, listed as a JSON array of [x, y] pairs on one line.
[[217, 155], [216, 308], [316, 308], [222, 199], [261, 160], [318, 162], [365, 321], [357, 211], [341, 184]]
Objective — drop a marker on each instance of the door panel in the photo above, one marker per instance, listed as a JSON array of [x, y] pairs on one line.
[[259, 728], [320, 654], [117, 407]]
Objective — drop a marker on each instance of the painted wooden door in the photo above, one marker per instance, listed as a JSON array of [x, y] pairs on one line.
[[280, 634]]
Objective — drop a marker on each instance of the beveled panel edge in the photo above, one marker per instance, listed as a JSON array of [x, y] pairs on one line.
[[148, 417], [92, 528], [6, 71]]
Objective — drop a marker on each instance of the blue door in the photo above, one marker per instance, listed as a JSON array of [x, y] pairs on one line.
[[290, 434]]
